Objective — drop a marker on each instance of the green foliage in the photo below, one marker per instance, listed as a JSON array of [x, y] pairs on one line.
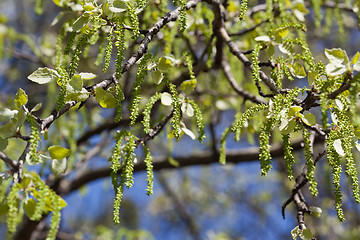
[[310, 174], [33, 155], [289, 158], [149, 171]]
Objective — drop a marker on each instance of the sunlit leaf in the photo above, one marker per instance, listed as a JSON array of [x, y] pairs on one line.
[[338, 147], [187, 109], [335, 55], [295, 232], [165, 63], [298, 70], [81, 22], [58, 152], [21, 98], [189, 133], [156, 76], [29, 207], [263, 39], [36, 108], [59, 166], [188, 86], [6, 114], [316, 211], [87, 76], [105, 99], [294, 110], [166, 99], [43, 75], [309, 119], [306, 234]]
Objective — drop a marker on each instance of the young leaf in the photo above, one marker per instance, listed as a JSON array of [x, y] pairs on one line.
[[335, 55], [295, 232], [298, 70], [156, 76], [6, 114], [58, 152], [166, 99], [81, 22], [43, 75], [59, 166], [338, 147], [188, 86], [87, 76], [306, 234], [29, 207], [189, 133], [309, 119], [165, 63], [106, 100], [316, 211], [263, 39], [21, 98]]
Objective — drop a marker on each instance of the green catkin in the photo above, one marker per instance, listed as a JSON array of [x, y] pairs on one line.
[[40, 204], [120, 45], [243, 9], [128, 170], [119, 192], [242, 118], [176, 109], [56, 216], [339, 19], [34, 139], [147, 110], [199, 121], [347, 133], [70, 42], [58, 54], [255, 62], [149, 171], [83, 42], [119, 95], [264, 147], [62, 81], [222, 157], [135, 100], [108, 50], [336, 169], [189, 64], [310, 174], [12, 219], [141, 3], [288, 156], [182, 17], [134, 20]]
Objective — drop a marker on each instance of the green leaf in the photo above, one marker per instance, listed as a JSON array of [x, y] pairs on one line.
[[81, 22], [21, 98], [281, 33], [3, 144], [338, 147], [298, 70], [29, 207], [156, 76], [43, 75], [309, 119], [173, 162], [6, 114], [263, 39], [58, 152], [165, 63], [355, 58], [117, 6], [166, 99], [295, 232], [79, 96], [306, 234], [76, 82], [7, 130], [335, 55], [59, 166], [36, 108], [106, 99], [294, 111], [315, 211], [311, 77], [4, 208], [188, 86], [87, 76], [287, 126]]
